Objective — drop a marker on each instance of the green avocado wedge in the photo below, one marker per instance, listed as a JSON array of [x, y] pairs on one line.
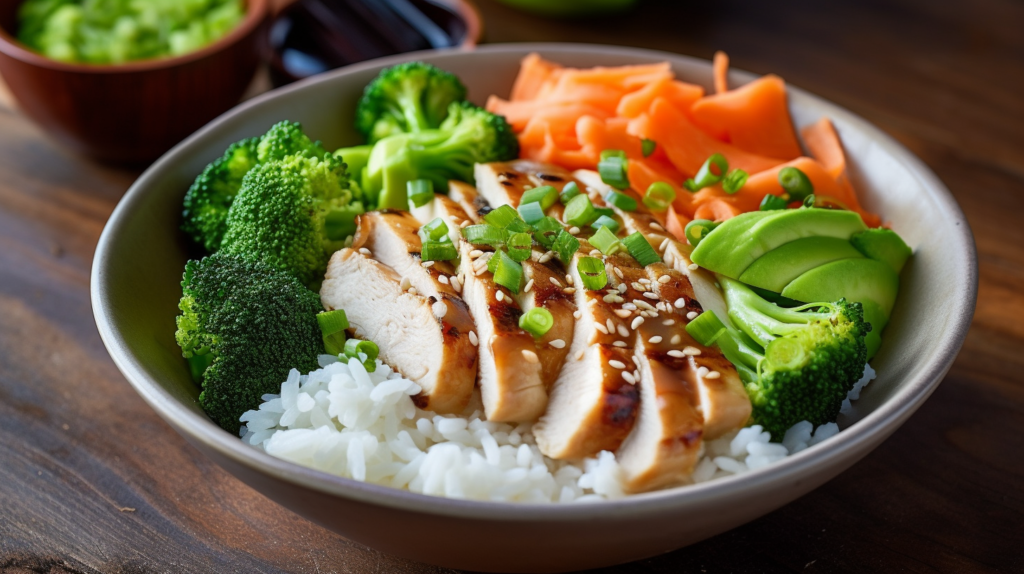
[[872, 283], [883, 245], [777, 268], [738, 242]]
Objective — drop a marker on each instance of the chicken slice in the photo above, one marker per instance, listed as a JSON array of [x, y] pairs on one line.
[[549, 288], [505, 182], [412, 331], [511, 384], [466, 197]]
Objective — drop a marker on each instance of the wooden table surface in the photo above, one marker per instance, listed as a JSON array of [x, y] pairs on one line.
[[92, 481]]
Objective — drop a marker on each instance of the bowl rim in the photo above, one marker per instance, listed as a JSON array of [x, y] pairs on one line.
[[255, 13], [870, 430]]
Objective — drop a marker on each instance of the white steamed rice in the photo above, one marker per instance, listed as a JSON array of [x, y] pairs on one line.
[[345, 421]]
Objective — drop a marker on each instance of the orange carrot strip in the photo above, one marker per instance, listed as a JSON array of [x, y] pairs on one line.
[[754, 118], [534, 71], [720, 67], [675, 223], [681, 94], [717, 210], [824, 144]]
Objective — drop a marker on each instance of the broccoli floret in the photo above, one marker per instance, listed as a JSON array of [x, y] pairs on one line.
[[292, 214], [409, 97], [797, 364], [468, 136], [243, 326], [207, 201]]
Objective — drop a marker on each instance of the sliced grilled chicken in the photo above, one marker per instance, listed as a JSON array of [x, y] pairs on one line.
[[412, 330], [511, 385], [505, 182], [594, 400], [547, 287], [467, 197]]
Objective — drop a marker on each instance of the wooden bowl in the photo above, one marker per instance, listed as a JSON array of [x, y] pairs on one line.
[[131, 112]]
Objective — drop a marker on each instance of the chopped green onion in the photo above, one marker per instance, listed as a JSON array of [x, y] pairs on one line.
[[605, 221], [369, 349], [592, 272], [606, 241], [796, 183], [421, 191], [520, 245], [620, 200], [531, 212], [546, 231], [613, 171], [604, 211], [537, 321], [641, 249], [605, 154], [659, 196], [580, 211], [569, 191], [545, 195], [706, 175], [332, 327], [341, 222], [734, 180], [706, 328], [772, 203], [505, 217], [492, 262], [565, 246], [698, 229], [483, 234], [438, 251], [434, 230], [508, 273], [809, 200], [647, 147], [691, 186]]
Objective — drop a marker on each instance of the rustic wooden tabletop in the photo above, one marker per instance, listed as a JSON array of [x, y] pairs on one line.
[[92, 481]]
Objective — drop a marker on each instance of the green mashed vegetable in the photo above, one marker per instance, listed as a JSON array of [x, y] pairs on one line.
[[116, 31]]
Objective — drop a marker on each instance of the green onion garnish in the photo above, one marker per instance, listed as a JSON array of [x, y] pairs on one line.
[[707, 175], [605, 154], [796, 183], [531, 212], [565, 246], [604, 211], [613, 171], [641, 249], [483, 234], [647, 147], [592, 272], [508, 273], [355, 347], [536, 321], [341, 222], [620, 200], [772, 203], [435, 230], [605, 221], [659, 196], [546, 231], [606, 241], [809, 201], [502, 217], [545, 195], [332, 327], [698, 229], [734, 180], [569, 191], [706, 328], [520, 245], [580, 211], [421, 191], [438, 250]]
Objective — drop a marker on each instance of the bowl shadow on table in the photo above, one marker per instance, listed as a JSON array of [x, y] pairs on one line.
[[131, 113]]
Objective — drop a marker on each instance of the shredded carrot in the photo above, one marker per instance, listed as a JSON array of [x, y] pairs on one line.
[[720, 67], [753, 117], [534, 72], [679, 93], [675, 223], [717, 210], [824, 144]]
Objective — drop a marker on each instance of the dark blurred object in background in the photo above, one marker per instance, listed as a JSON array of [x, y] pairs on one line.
[[572, 8], [313, 36]]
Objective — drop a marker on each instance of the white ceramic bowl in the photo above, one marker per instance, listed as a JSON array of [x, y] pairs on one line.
[[141, 255]]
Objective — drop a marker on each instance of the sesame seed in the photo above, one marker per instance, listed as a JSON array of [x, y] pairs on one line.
[[440, 309], [638, 286], [621, 288], [654, 340], [568, 279], [657, 226], [457, 283], [676, 339], [530, 356], [465, 224], [555, 282], [618, 272], [623, 331], [680, 303], [569, 290], [557, 343], [500, 295], [691, 350], [702, 371], [645, 281], [664, 245], [611, 325], [577, 313], [636, 323], [473, 339], [675, 353], [650, 295], [629, 377], [609, 298], [693, 267], [475, 253], [629, 306], [643, 304], [546, 257], [592, 302], [595, 253], [692, 315], [617, 364], [364, 251], [404, 284], [527, 186], [668, 322], [574, 230], [443, 279], [427, 263], [619, 343], [579, 354], [713, 375], [623, 313], [529, 285], [601, 327], [664, 279]]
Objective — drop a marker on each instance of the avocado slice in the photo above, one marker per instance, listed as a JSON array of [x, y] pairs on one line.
[[777, 268], [882, 245], [747, 238], [873, 283]]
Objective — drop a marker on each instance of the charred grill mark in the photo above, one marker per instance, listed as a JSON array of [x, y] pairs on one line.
[[420, 401], [509, 174], [674, 363], [507, 183], [484, 210], [550, 177], [389, 211], [686, 440], [506, 317], [546, 292], [621, 406]]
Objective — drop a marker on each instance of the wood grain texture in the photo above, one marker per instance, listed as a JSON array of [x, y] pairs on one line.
[[92, 481]]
